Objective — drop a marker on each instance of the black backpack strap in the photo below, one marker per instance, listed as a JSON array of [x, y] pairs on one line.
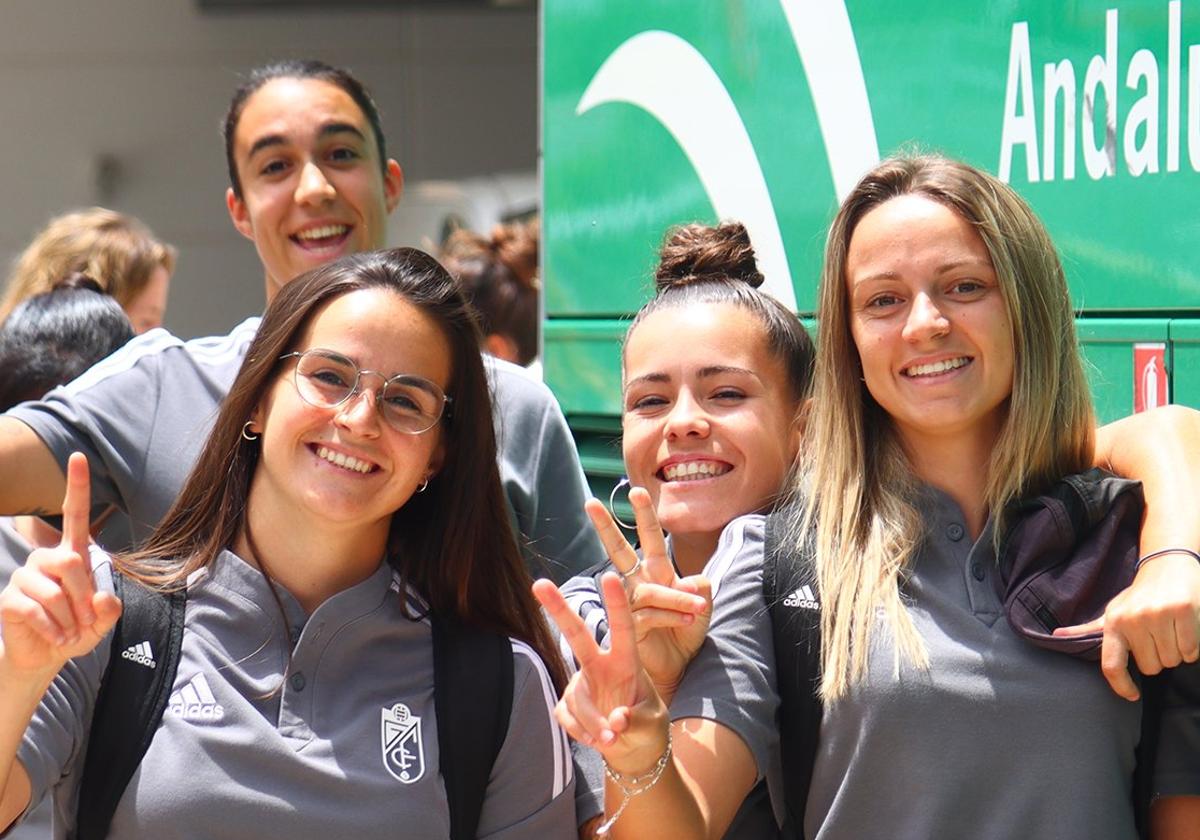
[[133, 694], [472, 695], [790, 591], [1153, 699]]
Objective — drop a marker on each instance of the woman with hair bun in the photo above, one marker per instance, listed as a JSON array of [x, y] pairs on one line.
[[715, 375], [948, 387], [499, 274], [116, 250]]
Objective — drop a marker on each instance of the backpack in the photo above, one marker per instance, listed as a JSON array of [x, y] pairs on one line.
[[467, 663], [791, 594]]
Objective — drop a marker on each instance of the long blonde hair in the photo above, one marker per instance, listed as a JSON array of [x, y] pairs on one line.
[[117, 251], [864, 520]]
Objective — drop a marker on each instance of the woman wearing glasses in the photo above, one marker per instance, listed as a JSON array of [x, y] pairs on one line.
[[347, 495]]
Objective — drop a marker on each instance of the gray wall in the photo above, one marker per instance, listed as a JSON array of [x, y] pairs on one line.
[[143, 83]]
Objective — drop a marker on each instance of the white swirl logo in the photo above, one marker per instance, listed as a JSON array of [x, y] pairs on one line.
[[669, 78]]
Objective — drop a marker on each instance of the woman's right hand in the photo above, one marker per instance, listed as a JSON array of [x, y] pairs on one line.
[[610, 703], [670, 613], [50, 611]]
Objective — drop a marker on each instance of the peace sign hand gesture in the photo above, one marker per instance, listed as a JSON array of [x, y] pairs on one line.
[[609, 704], [50, 611], [670, 613]]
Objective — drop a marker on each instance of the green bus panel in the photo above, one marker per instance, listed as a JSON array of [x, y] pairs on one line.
[[657, 112], [1108, 359], [1185, 362], [583, 365]]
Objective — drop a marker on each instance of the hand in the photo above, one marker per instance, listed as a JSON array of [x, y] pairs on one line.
[[609, 704], [1157, 619], [670, 613], [50, 611]]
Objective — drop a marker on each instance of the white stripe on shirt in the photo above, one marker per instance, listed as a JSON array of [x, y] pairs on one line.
[[563, 767], [729, 546], [214, 350]]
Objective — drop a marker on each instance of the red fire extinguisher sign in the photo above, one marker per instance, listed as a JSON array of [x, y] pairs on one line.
[[1151, 383]]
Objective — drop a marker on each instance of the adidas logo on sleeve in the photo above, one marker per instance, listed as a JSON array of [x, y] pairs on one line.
[[803, 598], [141, 654], [195, 701]]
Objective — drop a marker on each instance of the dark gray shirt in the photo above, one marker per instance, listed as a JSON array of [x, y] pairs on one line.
[[997, 739], [143, 414], [251, 745]]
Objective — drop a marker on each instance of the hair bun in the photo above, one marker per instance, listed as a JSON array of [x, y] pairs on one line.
[[512, 246], [516, 245], [698, 253]]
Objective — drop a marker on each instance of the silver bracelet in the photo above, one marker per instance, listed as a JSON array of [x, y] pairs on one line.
[[631, 786], [1164, 551]]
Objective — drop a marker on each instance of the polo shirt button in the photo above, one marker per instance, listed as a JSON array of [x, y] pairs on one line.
[[977, 570], [954, 531], [298, 681]]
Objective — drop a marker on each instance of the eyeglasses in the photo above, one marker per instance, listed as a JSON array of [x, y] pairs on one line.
[[409, 404]]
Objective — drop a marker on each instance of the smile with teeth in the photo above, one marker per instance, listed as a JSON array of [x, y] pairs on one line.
[[694, 470], [316, 235], [935, 368], [348, 462]]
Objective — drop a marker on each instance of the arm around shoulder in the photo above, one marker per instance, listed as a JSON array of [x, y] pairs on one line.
[[33, 480], [1161, 449]]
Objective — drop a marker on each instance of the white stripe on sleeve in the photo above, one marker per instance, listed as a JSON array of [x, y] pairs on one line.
[[563, 768]]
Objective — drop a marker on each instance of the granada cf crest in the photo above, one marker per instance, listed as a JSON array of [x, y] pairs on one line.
[[403, 752]]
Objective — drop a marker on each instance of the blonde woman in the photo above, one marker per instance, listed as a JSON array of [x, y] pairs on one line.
[[948, 384], [117, 251]]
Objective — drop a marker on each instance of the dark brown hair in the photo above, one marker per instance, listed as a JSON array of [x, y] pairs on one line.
[[499, 274], [716, 264], [298, 69], [452, 543]]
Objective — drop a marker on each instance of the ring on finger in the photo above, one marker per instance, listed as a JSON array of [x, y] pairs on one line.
[[633, 570]]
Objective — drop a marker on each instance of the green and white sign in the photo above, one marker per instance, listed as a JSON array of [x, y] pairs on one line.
[[657, 112]]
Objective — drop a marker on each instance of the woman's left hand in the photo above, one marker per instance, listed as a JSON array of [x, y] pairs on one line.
[[670, 613], [1157, 619]]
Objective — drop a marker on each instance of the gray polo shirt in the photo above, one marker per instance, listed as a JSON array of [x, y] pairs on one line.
[[14, 551], [997, 739], [143, 414], [344, 745]]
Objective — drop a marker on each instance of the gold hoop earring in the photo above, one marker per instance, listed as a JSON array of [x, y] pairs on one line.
[[246, 431]]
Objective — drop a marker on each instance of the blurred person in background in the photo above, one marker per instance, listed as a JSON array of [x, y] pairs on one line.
[[499, 274], [117, 251], [47, 340]]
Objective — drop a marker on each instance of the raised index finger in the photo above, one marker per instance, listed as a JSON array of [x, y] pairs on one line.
[[77, 504], [622, 639], [572, 627], [657, 562], [618, 549]]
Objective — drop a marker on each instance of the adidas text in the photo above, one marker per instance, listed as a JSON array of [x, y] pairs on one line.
[[195, 701], [141, 654], [803, 598]]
